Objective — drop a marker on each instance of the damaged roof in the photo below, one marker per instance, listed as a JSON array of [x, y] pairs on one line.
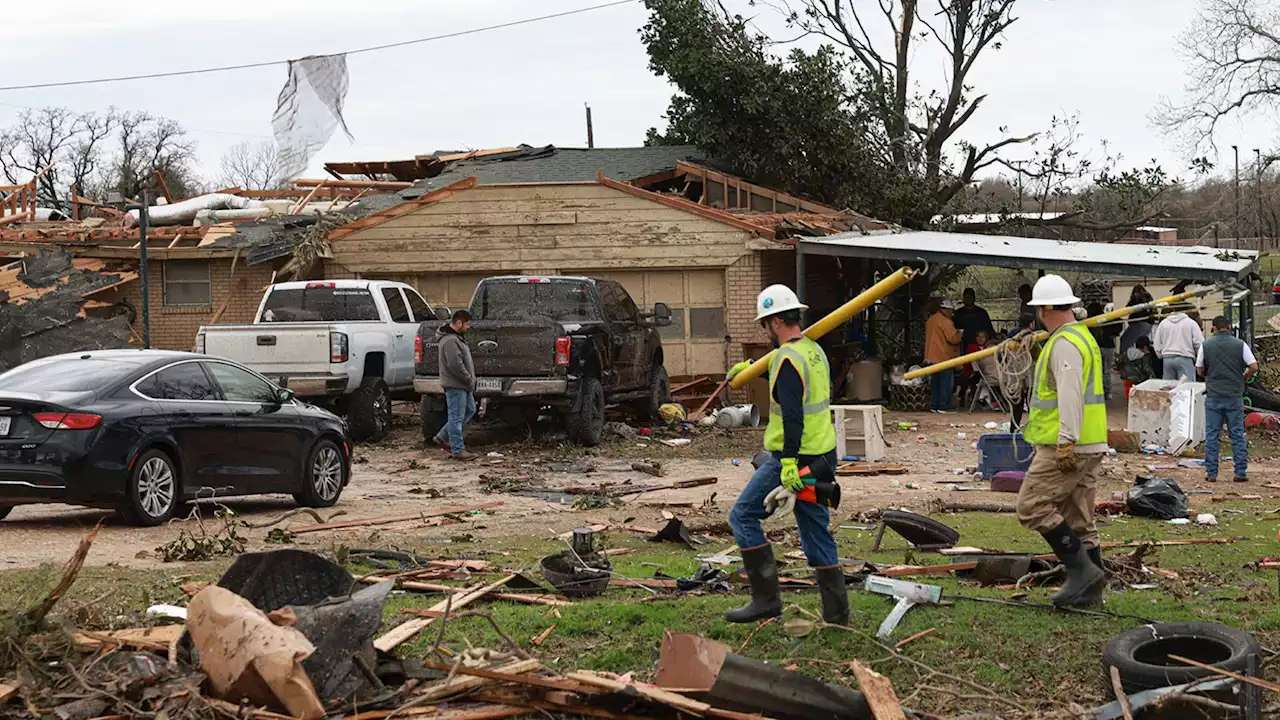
[[31, 278]]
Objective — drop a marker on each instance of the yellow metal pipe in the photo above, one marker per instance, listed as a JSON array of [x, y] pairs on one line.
[[1041, 336], [833, 320]]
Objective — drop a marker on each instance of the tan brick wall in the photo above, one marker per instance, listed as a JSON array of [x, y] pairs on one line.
[[174, 328], [334, 271], [744, 281]]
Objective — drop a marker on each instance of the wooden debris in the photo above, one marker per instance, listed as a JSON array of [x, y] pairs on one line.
[[405, 631], [624, 491], [542, 636], [512, 677], [910, 570], [462, 683], [863, 469], [1121, 697], [679, 702], [1257, 682], [913, 638], [878, 692], [954, 506], [149, 638], [388, 519], [640, 529], [650, 467], [614, 552]]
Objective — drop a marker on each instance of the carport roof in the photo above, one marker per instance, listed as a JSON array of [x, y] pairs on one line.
[[1189, 263]]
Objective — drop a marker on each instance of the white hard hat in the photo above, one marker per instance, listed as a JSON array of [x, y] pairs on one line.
[[948, 305], [777, 299], [1052, 290]]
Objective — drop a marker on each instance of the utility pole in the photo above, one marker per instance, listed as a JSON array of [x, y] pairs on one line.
[[1235, 230], [591, 134], [143, 220], [1257, 180]]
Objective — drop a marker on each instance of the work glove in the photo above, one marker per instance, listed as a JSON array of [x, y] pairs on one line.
[[738, 368], [1066, 460], [791, 475], [780, 498]]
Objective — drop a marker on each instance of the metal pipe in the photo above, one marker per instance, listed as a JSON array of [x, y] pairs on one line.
[[1041, 336], [833, 320]]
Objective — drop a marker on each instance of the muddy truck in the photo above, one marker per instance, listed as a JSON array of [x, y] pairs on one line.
[[563, 346]]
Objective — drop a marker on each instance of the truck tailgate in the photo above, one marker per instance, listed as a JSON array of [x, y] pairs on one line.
[[272, 348], [513, 349]]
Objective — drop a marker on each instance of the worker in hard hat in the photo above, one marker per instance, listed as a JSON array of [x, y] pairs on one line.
[[1068, 427], [800, 440]]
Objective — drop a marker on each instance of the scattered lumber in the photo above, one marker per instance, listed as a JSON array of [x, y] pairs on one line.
[[148, 638], [862, 469], [608, 491], [878, 692], [405, 631], [388, 519]]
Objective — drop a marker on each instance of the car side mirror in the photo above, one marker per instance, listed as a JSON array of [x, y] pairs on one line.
[[284, 395], [444, 314], [661, 314]]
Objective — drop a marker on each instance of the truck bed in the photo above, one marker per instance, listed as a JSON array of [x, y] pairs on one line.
[[273, 348]]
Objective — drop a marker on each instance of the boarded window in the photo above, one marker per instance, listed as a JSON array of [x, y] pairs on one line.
[[706, 323], [674, 331], [187, 282]]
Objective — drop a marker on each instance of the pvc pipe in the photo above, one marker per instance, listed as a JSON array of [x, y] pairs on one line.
[[832, 321], [1041, 336], [736, 416]]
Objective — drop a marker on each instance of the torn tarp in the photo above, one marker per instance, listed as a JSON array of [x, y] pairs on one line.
[[308, 110]]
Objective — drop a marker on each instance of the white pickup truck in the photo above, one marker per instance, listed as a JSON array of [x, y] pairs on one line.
[[344, 343]]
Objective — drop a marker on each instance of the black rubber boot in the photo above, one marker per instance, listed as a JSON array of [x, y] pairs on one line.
[[1095, 597], [1085, 580], [766, 602], [1095, 554], [835, 596]]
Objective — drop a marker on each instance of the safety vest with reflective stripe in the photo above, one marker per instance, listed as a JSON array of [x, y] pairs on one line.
[[1042, 425], [819, 433]]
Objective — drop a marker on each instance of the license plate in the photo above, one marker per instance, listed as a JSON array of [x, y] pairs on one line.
[[5, 423], [489, 385]]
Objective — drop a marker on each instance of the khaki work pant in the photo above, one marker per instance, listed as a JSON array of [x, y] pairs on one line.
[[1049, 496]]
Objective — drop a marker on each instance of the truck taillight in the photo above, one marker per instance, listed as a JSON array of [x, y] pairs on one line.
[[417, 350], [199, 343], [562, 350], [338, 347], [321, 285]]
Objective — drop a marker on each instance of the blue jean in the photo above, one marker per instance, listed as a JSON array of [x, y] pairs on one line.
[[1218, 409], [811, 518], [462, 407], [941, 386], [1178, 366]]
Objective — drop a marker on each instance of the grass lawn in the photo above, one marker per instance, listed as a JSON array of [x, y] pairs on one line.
[[1036, 659]]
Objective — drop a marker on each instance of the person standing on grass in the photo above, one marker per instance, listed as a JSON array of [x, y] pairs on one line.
[[800, 436], [1177, 341], [458, 377], [1068, 427], [1226, 363], [941, 343]]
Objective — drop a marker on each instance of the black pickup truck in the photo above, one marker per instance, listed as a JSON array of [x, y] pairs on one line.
[[564, 345]]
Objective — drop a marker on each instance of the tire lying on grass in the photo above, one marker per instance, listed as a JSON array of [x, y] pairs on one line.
[[1142, 654]]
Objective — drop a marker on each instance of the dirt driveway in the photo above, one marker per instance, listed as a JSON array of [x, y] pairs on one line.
[[398, 477]]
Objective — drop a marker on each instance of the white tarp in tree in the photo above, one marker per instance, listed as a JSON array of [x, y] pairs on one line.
[[308, 110]]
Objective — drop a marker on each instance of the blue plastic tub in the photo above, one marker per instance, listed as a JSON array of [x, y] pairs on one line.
[[999, 452]]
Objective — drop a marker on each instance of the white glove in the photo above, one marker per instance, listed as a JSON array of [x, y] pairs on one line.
[[780, 499]]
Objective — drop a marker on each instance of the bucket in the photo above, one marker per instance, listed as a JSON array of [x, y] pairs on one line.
[[736, 416]]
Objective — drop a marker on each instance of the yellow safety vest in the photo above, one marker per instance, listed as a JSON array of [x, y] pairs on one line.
[[819, 433], [1042, 425]]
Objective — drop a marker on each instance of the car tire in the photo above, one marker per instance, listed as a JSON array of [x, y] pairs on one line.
[[587, 425], [324, 476], [5, 510], [659, 394], [153, 493], [369, 411], [1141, 654], [434, 412]]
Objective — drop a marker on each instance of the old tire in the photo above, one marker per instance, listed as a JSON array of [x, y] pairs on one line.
[[152, 495], [433, 412], [369, 411], [324, 476], [659, 394], [1141, 654], [586, 426]]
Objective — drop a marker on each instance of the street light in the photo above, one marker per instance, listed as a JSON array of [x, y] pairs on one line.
[[144, 219]]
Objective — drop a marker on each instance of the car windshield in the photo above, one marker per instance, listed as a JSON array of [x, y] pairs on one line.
[[319, 302], [524, 300], [66, 375]]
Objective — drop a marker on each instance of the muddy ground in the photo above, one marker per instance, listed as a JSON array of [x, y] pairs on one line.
[[399, 476]]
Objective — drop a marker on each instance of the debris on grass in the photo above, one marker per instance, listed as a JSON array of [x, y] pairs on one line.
[[199, 544]]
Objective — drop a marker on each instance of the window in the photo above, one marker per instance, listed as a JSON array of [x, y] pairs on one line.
[[395, 305], [184, 381], [187, 283], [706, 322], [611, 295], [240, 385], [674, 331], [421, 310], [320, 302], [515, 300], [627, 304], [77, 375]]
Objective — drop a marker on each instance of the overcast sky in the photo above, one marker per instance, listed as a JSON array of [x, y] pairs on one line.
[[1109, 60]]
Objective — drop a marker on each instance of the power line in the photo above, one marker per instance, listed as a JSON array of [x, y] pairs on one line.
[[246, 66]]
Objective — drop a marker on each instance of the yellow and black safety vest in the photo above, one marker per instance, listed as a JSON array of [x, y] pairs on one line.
[[1042, 424], [819, 433]]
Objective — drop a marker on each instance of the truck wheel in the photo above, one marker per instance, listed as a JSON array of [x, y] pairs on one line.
[[369, 411], [587, 426], [659, 394], [434, 412]]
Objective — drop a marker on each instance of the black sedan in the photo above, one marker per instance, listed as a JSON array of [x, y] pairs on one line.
[[144, 430]]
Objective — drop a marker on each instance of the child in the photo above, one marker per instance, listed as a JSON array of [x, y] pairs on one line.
[[969, 378], [1135, 364]]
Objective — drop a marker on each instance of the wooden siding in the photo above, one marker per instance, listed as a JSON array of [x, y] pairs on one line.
[[508, 228]]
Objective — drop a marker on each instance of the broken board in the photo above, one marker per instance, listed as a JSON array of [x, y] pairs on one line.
[[863, 470]]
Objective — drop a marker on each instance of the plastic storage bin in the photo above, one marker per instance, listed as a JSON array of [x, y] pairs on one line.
[[998, 452]]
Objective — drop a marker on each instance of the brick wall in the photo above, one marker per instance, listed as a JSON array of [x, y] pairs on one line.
[[174, 328], [744, 281]]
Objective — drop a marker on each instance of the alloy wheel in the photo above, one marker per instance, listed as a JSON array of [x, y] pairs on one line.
[[326, 473], [155, 487]]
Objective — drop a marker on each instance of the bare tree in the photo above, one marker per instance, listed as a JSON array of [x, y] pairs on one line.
[[147, 147], [1233, 56], [919, 130], [251, 166], [65, 146]]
